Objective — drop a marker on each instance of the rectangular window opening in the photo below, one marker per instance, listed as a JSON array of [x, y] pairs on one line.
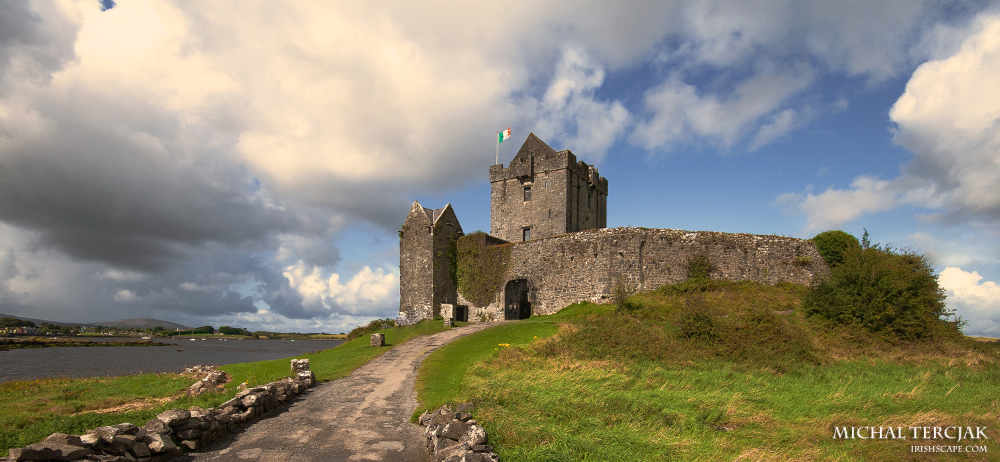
[[527, 193], [525, 234]]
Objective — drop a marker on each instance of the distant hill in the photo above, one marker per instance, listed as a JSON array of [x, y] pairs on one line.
[[39, 321], [142, 323], [133, 323]]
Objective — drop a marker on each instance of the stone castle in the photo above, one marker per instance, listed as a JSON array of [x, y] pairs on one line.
[[548, 218]]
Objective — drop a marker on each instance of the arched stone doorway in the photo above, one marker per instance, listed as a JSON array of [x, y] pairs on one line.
[[517, 305]]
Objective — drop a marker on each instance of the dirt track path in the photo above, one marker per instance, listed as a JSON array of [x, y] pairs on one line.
[[361, 417]]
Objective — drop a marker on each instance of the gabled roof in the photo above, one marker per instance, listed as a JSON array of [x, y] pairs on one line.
[[431, 215], [533, 145]]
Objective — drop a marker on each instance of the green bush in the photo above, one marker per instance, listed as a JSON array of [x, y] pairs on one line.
[[480, 268], [832, 244], [885, 291], [694, 320], [621, 295], [700, 267]]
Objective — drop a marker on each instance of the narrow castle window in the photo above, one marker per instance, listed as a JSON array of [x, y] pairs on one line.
[[525, 234], [527, 193]]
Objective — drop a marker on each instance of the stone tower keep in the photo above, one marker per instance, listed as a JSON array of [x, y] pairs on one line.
[[544, 192], [426, 253]]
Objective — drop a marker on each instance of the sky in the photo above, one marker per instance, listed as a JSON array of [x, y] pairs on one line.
[[249, 163]]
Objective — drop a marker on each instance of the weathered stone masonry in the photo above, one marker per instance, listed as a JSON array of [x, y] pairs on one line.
[[546, 192], [582, 266], [567, 255], [426, 243]]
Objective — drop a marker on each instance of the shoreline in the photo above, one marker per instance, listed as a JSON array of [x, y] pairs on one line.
[[13, 343]]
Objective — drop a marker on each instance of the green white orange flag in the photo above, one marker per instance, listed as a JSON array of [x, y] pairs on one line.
[[503, 135]]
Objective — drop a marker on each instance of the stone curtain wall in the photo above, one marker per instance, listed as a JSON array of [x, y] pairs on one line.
[[583, 266]]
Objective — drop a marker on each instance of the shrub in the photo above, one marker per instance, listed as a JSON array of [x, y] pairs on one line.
[[694, 320], [480, 268], [832, 244], [621, 295], [885, 291], [700, 267], [371, 328]]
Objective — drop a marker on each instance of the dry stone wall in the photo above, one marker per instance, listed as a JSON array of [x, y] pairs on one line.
[[173, 431], [582, 266], [454, 436]]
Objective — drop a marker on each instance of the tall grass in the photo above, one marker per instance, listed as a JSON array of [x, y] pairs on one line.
[[443, 372], [766, 383]]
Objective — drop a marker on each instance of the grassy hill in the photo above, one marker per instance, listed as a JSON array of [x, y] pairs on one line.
[[713, 371]]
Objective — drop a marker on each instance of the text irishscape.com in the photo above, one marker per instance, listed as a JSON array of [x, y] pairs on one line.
[[928, 439]]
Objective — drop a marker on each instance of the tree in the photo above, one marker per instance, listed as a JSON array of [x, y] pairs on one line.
[[884, 290], [15, 322], [833, 244], [233, 330]]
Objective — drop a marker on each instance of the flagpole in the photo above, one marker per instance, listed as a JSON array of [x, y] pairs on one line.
[[498, 149]]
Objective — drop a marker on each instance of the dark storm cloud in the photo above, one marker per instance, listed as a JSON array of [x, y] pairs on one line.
[[112, 182], [46, 46]]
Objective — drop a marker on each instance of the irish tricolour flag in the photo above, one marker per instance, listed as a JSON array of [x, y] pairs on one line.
[[503, 135]]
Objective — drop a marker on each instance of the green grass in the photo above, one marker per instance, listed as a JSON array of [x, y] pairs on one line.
[[757, 386], [32, 410], [333, 363], [442, 373], [560, 409]]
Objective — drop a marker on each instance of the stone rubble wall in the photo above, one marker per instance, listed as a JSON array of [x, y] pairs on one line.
[[172, 432], [453, 436], [212, 379]]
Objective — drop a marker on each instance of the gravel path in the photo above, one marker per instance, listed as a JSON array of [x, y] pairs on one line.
[[362, 417]]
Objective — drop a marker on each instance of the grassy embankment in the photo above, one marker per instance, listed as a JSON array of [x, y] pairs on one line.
[[32, 410], [742, 382]]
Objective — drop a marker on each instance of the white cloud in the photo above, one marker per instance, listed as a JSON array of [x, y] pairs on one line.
[[949, 118], [121, 275], [192, 155], [569, 112], [834, 207], [975, 300], [680, 112], [368, 292], [125, 296], [776, 126]]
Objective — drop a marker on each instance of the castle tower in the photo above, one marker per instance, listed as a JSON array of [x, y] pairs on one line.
[[426, 250], [544, 192]]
